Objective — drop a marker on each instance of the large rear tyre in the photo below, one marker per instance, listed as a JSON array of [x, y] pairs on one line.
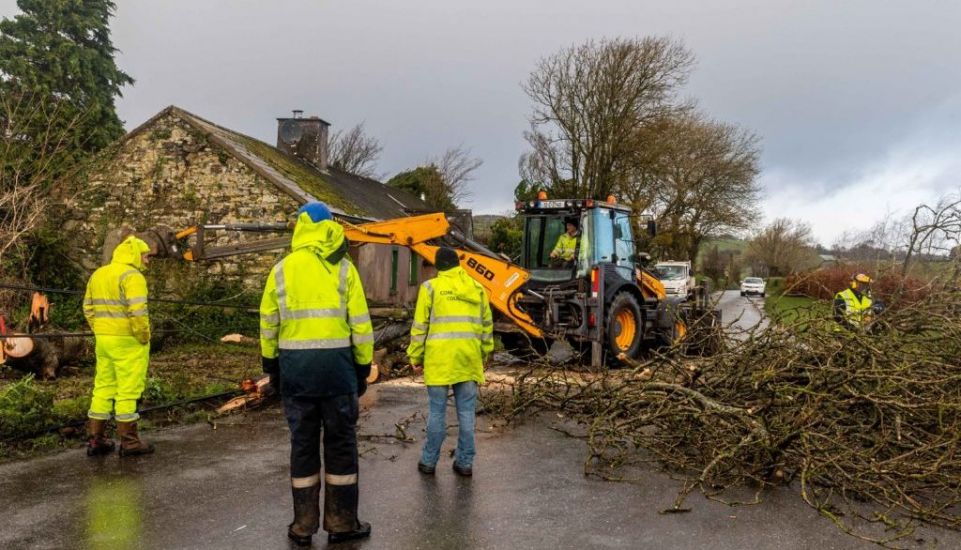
[[625, 328]]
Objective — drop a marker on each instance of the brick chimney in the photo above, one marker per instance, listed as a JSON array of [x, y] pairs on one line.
[[305, 138]]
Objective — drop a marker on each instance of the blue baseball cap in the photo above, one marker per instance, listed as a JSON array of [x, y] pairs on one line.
[[317, 211]]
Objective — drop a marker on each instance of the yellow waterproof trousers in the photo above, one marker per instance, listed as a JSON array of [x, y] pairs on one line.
[[120, 379]]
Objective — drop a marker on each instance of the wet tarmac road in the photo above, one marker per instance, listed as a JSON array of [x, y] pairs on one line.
[[741, 313], [227, 488]]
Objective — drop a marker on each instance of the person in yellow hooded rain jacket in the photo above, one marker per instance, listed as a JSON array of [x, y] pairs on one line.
[[317, 341], [115, 306], [451, 337]]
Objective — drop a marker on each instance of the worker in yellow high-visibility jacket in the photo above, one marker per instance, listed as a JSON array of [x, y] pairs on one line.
[[115, 306], [317, 341], [853, 306], [566, 245], [451, 337]]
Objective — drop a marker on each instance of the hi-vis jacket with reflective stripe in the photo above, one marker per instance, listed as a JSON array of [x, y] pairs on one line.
[[115, 303], [851, 309], [565, 247], [453, 332], [312, 305]]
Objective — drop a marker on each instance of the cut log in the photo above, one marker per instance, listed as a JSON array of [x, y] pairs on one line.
[[35, 355], [374, 374], [17, 348], [240, 339], [254, 397], [390, 332]]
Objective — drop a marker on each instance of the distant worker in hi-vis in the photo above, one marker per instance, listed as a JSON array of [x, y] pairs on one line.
[[115, 306], [450, 339]]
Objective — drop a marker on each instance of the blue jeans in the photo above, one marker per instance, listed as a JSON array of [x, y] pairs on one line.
[[465, 397]]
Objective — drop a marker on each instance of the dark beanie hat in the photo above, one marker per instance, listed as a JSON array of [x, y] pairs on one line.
[[446, 259]]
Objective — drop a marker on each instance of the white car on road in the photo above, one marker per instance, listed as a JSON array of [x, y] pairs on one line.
[[753, 285]]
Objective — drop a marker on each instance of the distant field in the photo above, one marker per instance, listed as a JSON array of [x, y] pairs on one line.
[[796, 310], [723, 245]]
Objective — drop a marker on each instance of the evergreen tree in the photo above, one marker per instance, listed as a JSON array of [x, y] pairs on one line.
[[56, 63], [426, 182]]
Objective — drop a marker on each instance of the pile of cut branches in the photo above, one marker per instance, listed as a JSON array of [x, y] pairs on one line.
[[872, 418]]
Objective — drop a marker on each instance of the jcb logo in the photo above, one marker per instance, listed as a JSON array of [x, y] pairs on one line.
[[479, 267]]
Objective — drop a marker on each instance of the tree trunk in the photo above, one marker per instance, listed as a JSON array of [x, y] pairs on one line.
[[36, 355], [43, 356]]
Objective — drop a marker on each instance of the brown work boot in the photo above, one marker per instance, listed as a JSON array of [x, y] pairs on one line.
[[98, 444], [306, 514], [130, 442]]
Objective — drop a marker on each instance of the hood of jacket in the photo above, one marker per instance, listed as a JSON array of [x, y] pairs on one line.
[[466, 289], [129, 252], [323, 237]]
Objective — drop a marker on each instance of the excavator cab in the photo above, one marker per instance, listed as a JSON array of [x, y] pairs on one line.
[[603, 236], [597, 293], [543, 253]]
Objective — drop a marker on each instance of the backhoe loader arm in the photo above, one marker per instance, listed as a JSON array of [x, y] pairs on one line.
[[500, 278]]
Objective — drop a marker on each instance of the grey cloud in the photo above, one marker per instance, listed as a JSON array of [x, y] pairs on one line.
[[831, 87]]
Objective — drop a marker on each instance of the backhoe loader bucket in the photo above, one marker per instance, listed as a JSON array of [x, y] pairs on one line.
[[704, 335], [161, 239]]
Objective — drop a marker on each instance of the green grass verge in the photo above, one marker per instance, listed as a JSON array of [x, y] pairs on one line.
[[800, 312], [176, 373]]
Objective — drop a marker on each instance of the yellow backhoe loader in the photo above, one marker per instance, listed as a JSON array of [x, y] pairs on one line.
[[603, 297]]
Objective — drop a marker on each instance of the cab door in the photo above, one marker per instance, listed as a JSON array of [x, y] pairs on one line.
[[623, 244]]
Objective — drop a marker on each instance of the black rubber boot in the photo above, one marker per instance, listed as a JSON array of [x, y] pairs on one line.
[[340, 514], [306, 515], [362, 531], [98, 444]]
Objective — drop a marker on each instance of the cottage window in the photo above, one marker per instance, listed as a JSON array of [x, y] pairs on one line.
[[414, 272], [394, 254]]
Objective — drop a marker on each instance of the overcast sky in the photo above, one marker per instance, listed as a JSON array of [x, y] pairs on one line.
[[857, 103]]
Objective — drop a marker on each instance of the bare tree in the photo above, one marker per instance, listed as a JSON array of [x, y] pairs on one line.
[[589, 102], [36, 137], [700, 181], [783, 247], [457, 167], [355, 152], [933, 229]]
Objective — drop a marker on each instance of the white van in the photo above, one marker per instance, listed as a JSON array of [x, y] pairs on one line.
[[677, 278]]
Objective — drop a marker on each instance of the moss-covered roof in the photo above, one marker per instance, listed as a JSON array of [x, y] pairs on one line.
[[347, 194]]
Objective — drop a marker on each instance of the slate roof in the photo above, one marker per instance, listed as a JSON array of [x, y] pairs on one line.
[[347, 194]]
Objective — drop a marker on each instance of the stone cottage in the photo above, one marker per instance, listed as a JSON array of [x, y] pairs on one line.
[[178, 170]]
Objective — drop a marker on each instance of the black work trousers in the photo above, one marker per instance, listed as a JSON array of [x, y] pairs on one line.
[[336, 418]]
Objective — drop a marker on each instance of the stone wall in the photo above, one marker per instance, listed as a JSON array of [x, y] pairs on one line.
[[170, 174]]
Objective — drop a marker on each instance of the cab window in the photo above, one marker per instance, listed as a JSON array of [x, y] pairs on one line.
[[542, 234], [603, 236], [623, 240]]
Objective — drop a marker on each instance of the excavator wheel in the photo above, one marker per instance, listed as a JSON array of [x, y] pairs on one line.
[[625, 327]]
